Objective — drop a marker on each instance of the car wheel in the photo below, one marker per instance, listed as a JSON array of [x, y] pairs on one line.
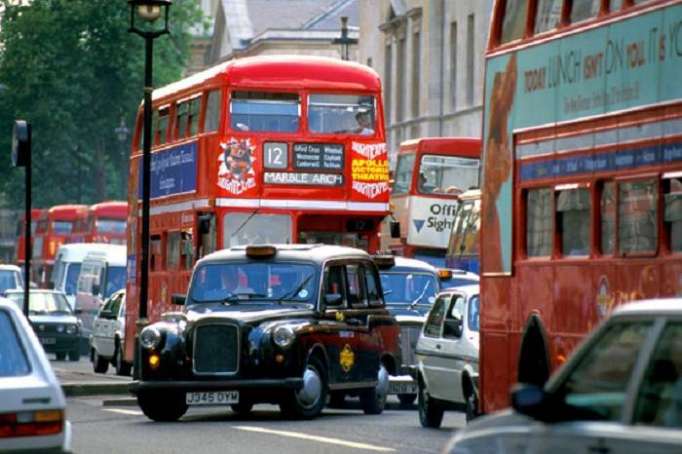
[[162, 407], [308, 401], [407, 399], [100, 364], [60, 356], [471, 406], [122, 367], [373, 400], [243, 408], [75, 354], [430, 411]]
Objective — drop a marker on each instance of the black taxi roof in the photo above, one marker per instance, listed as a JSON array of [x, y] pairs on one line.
[[317, 253]]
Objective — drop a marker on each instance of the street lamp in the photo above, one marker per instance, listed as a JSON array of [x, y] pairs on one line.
[[345, 41], [149, 11]]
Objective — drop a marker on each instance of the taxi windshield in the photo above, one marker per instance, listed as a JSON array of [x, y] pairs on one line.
[[261, 281], [409, 287]]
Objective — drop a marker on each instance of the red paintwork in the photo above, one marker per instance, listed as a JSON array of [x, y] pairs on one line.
[[85, 230], [294, 74], [36, 215]]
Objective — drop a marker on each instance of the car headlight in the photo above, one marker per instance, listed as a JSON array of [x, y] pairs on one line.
[[71, 329], [150, 338], [60, 328], [283, 336]]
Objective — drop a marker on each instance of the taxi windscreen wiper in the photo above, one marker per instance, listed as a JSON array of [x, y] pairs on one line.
[[295, 292]]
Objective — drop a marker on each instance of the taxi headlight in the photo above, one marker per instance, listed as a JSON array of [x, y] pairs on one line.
[[283, 336], [71, 329], [150, 338]]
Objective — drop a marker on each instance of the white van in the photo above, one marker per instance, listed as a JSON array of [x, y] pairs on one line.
[[67, 266], [102, 273]]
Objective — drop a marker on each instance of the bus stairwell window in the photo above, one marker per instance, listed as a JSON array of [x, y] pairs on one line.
[[673, 213], [637, 215], [608, 217], [539, 222], [573, 216]]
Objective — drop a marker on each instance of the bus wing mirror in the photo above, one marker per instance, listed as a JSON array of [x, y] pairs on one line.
[[395, 228], [178, 299]]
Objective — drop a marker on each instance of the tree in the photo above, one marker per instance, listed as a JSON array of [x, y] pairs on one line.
[[71, 68]]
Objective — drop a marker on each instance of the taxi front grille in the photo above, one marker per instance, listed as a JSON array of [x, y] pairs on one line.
[[216, 349], [409, 334]]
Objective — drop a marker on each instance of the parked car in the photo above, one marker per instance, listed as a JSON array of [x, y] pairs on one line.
[[620, 392], [32, 403], [283, 324], [107, 338], [410, 287], [447, 356], [57, 327], [10, 278]]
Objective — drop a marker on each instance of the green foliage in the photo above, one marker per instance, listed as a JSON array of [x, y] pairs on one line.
[[73, 70]]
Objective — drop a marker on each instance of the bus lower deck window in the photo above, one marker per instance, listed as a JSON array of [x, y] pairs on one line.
[[539, 222], [573, 216], [608, 217], [637, 216], [673, 213]]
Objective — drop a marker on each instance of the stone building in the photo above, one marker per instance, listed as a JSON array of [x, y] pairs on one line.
[[266, 27], [429, 54]]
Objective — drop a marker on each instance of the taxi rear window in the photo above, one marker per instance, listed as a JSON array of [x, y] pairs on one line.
[[13, 360]]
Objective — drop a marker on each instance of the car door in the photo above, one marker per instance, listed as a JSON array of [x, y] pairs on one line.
[[452, 361], [100, 327], [429, 349]]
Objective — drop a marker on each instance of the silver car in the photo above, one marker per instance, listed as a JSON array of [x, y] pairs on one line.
[[620, 392], [106, 340], [447, 356]]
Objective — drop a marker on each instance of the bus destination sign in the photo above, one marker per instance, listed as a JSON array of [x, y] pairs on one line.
[[303, 178], [323, 156]]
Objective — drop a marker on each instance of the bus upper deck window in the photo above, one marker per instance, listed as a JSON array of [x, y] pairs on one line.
[[341, 114], [548, 15], [673, 213], [262, 111], [193, 115], [403, 173], [539, 222], [584, 9], [212, 121], [637, 217], [161, 126], [573, 217], [608, 217], [181, 119], [514, 20]]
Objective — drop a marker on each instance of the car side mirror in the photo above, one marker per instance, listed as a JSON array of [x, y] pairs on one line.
[[453, 328], [178, 299], [532, 401], [395, 229], [333, 299]]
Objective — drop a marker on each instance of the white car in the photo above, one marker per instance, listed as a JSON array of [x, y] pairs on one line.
[[447, 356], [10, 278], [108, 332], [32, 403], [620, 392]]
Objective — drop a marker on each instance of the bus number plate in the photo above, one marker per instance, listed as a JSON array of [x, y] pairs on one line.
[[212, 398]]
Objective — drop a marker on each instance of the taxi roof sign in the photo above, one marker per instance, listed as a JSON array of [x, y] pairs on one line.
[[261, 251]]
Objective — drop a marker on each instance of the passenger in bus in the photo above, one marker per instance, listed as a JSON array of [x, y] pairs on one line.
[[425, 186], [364, 124]]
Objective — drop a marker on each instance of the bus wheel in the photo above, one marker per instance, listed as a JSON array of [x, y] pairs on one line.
[[309, 401], [533, 365], [162, 407]]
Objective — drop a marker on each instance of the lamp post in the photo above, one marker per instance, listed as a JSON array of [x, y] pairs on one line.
[[149, 11], [345, 41], [122, 134], [21, 157]]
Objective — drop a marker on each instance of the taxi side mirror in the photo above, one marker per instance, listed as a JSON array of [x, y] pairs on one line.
[[333, 299], [178, 299]]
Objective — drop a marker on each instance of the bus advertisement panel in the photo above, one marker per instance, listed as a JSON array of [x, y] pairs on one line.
[[581, 182], [284, 149], [430, 174]]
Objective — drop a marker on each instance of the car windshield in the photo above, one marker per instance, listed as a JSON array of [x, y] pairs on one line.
[[116, 279], [40, 303], [110, 225], [72, 272], [13, 361], [237, 282], [409, 287], [8, 280]]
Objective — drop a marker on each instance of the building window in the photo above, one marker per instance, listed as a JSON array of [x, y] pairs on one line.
[[470, 58], [416, 70], [539, 222], [608, 217], [573, 218], [453, 65], [637, 214], [388, 79], [400, 95], [514, 20], [548, 15], [584, 9], [673, 213]]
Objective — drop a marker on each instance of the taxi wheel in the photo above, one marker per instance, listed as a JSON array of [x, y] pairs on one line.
[[308, 401], [100, 364], [162, 407], [430, 411], [407, 399], [373, 400]]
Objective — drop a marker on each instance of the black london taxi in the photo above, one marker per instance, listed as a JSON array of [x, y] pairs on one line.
[[282, 324]]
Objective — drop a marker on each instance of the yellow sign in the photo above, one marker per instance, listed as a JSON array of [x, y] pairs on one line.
[[340, 317], [347, 358]]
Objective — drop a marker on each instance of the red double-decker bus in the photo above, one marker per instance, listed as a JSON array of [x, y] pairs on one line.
[[430, 174], [582, 176], [37, 234], [103, 222], [285, 149]]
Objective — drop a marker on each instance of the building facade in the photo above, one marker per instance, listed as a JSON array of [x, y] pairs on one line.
[[429, 54]]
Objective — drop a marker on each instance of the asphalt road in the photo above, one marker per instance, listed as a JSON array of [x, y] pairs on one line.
[[123, 429]]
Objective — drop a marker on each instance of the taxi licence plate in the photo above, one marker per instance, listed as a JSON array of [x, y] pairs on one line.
[[48, 340], [402, 388], [212, 398]]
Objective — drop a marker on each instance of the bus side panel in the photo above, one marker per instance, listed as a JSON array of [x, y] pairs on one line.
[[671, 277]]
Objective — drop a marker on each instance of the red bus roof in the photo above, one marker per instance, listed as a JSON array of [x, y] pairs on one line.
[[66, 212], [113, 208], [36, 213], [466, 146], [284, 72]]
